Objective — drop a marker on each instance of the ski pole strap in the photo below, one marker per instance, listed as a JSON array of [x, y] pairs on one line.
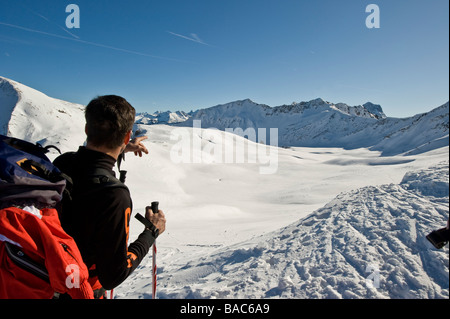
[[145, 221], [123, 173], [148, 224]]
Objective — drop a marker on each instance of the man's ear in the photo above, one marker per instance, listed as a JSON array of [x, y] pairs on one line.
[[85, 128], [127, 138]]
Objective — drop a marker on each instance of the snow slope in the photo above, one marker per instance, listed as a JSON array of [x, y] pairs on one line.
[[31, 115], [233, 232], [8, 100]]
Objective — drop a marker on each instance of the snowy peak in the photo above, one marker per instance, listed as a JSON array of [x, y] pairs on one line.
[[375, 109], [167, 117], [237, 108], [368, 110]]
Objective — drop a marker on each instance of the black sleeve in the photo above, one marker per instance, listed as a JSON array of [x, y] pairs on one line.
[[115, 260]]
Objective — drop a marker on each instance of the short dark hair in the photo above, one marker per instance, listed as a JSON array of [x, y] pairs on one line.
[[108, 119]]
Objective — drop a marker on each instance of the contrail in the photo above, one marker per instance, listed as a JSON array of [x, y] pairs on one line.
[[193, 38], [49, 21], [89, 43]]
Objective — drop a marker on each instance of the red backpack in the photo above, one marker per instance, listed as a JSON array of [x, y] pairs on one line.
[[38, 259]]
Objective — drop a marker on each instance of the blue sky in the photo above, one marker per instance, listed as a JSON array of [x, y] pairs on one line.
[[186, 55]]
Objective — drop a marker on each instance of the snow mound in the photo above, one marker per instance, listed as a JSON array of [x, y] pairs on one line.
[[430, 182], [367, 243]]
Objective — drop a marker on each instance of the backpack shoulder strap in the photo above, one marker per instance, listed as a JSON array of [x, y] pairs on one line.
[[104, 179], [96, 176]]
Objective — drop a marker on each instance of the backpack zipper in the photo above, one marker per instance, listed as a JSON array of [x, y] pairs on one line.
[[66, 249], [23, 261]]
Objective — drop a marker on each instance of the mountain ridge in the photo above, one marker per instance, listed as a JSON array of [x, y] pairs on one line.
[[316, 123], [322, 124], [368, 109]]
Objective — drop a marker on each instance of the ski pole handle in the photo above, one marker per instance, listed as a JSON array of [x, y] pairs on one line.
[[155, 208]]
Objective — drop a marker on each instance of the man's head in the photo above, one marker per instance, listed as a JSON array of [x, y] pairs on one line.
[[109, 119]]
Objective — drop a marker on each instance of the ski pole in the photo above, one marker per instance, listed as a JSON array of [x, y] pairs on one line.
[[154, 270], [148, 224]]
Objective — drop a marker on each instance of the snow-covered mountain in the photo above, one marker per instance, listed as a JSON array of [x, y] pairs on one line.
[[322, 124], [246, 113], [318, 123], [166, 117]]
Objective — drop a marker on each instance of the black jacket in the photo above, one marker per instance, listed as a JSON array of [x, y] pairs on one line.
[[98, 218]]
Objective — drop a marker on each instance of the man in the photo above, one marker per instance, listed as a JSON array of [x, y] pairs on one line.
[[98, 215]]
